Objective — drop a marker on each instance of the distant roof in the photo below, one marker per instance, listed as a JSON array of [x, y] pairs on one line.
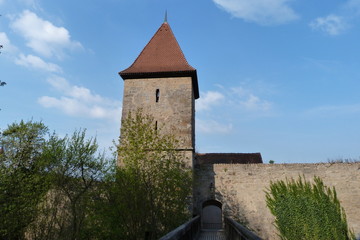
[[162, 57], [242, 158]]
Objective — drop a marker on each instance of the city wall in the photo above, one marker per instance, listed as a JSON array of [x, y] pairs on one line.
[[241, 188]]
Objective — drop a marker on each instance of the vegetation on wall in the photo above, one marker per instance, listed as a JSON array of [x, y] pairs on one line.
[[344, 160], [307, 211]]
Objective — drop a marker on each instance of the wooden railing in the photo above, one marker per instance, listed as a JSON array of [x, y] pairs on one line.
[[236, 231], [187, 231], [206, 225]]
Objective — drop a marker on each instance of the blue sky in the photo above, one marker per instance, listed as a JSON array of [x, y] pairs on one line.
[[280, 77]]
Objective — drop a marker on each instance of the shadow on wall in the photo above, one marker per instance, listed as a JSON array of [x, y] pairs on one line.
[[207, 196], [204, 175], [232, 208], [204, 182]]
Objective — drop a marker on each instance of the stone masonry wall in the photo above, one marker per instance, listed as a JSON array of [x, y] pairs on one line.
[[173, 111], [240, 187]]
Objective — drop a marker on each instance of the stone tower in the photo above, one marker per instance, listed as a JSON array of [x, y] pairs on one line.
[[163, 84]]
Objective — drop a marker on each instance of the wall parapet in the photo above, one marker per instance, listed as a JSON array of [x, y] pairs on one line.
[[241, 188]]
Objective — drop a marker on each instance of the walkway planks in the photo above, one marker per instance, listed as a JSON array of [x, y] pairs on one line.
[[212, 235]]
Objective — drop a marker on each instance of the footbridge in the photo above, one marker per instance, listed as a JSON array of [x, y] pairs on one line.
[[199, 230]]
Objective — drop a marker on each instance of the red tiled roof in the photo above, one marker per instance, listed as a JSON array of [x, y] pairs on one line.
[[161, 54], [162, 57], [242, 158]]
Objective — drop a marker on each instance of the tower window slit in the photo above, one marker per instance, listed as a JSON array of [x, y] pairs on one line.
[[157, 94], [156, 126]]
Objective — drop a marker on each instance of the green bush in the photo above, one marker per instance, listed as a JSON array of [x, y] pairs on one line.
[[307, 211]]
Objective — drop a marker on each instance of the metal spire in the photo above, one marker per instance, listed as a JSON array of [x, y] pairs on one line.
[[165, 20]]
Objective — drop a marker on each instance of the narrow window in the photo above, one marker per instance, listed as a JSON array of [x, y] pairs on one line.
[[156, 126], [157, 95]]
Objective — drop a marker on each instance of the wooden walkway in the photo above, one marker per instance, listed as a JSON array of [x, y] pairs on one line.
[[212, 235]]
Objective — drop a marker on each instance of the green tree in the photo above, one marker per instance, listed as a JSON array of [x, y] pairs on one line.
[[77, 169], [147, 195], [307, 211], [23, 178], [48, 184]]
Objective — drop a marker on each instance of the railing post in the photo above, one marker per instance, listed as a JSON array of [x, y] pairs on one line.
[[186, 231], [148, 235]]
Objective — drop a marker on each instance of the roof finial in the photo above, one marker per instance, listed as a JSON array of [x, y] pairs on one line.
[[165, 20]]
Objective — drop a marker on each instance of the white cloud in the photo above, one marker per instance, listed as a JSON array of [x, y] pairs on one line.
[[208, 99], [81, 93], [334, 110], [76, 107], [331, 24], [30, 3], [240, 91], [254, 103], [36, 62], [248, 100], [80, 101], [264, 12], [29, 61], [7, 46], [213, 127], [353, 5], [238, 97], [42, 36]]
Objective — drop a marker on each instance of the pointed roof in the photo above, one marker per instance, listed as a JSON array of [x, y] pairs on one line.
[[162, 57]]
